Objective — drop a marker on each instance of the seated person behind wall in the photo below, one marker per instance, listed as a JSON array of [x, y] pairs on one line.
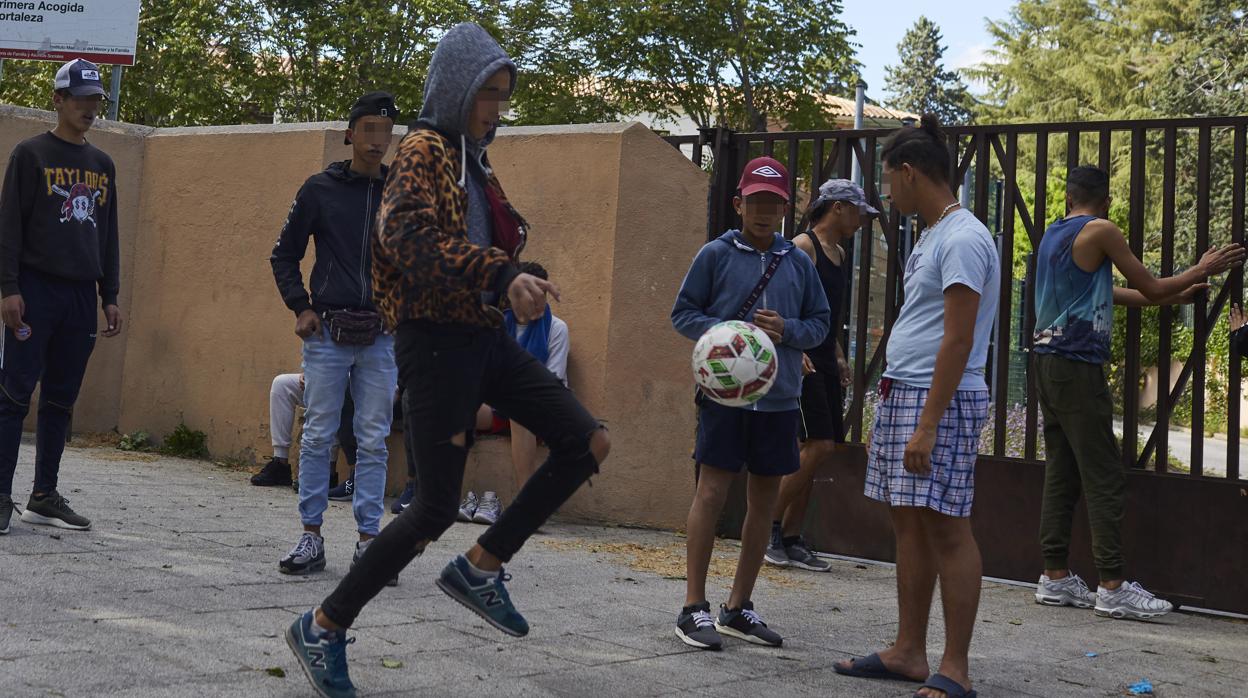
[[546, 338], [285, 395]]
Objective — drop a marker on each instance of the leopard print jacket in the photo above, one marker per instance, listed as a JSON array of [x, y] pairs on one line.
[[424, 267]]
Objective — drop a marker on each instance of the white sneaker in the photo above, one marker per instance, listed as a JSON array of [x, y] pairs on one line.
[[1130, 601], [488, 510], [468, 507], [1067, 591]]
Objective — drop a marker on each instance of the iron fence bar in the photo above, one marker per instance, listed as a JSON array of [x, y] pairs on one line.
[[1236, 285], [1072, 150], [1131, 383], [1029, 327], [789, 217], [1104, 154], [1200, 349], [1016, 195], [1005, 305], [1166, 313], [769, 147], [862, 320], [965, 164]]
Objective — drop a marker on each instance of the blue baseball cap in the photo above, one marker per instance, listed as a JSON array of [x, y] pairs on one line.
[[843, 190], [81, 78]]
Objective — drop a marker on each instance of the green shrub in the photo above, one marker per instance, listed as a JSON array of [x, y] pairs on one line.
[[184, 442], [135, 441]]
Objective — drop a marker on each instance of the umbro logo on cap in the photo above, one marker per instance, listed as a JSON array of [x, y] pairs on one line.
[[767, 171], [765, 174]]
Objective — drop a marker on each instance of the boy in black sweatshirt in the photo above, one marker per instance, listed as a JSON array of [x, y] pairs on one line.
[[58, 245]]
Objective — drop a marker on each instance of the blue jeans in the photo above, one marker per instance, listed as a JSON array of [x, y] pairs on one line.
[[329, 369]]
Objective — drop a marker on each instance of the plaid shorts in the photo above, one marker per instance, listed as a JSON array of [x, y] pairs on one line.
[[950, 486]]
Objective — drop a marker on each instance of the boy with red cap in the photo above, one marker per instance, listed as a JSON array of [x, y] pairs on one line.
[[748, 274]]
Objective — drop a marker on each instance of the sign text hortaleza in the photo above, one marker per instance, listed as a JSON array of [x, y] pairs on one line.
[[101, 31]]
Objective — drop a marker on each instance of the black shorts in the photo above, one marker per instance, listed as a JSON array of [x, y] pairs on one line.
[[822, 400], [732, 437]]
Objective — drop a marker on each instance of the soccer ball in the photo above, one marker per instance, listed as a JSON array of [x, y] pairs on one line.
[[734, 363]]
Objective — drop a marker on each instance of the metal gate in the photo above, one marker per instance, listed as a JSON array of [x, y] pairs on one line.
[[1183, 180]]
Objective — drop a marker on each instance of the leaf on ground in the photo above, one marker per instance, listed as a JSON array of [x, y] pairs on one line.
[[391, 663], [1015, 621], [1209, 658], [276, 671]]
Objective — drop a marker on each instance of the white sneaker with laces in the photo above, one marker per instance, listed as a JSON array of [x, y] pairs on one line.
[[468, 507], [1067, 591], [488, 509], [1130, 601]]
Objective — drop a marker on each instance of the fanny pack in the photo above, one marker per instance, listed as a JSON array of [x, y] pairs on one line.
[[358, 328]]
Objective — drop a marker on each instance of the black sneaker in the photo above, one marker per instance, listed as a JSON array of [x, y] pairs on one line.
[[360, 547], [405, 499], [801, 556], [775, 553], [745, 624], [275, 473], [696, 628], [306, 557], [53, 510], [6, 512], [343, 493]]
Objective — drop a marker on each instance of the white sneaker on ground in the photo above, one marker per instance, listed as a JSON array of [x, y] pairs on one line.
[[1067, 591], [1130, 601]]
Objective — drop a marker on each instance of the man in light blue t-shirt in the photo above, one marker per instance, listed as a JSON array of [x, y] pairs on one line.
[[933, 405]]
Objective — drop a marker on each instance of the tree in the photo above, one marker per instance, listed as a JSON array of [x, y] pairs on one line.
[[739, 63], [919, 82]]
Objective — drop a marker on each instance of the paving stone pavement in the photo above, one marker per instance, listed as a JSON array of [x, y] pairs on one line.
[[176, 593]]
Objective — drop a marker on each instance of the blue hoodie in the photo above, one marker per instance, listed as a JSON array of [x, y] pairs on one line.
[[722, 277]]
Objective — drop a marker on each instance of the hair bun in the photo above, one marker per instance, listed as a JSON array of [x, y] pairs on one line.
[[930, 124]]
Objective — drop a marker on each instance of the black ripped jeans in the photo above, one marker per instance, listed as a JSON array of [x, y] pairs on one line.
[[449, 371]]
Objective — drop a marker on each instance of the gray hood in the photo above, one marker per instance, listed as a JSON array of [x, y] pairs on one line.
[[465, 58]]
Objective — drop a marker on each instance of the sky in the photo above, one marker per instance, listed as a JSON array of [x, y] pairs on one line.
[[881, 25]]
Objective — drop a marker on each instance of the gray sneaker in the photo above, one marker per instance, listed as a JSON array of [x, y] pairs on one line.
[[801, 557], [776, 554], [360, 547], [54, 510], [306, 557], [1067, 591], [488, 510], [6, 512], [468, 507], [1130, 601]]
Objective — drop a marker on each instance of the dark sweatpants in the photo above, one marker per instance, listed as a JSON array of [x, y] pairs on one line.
[[62, 317], [450, 371], [1082, 457]]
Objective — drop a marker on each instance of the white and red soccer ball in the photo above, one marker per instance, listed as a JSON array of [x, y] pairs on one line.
[[734, 363]]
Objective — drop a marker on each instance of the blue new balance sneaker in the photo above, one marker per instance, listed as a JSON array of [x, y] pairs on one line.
[[485, 596], [323, 659]]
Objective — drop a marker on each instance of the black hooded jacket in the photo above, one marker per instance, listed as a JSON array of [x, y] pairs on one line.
[[339, 208]]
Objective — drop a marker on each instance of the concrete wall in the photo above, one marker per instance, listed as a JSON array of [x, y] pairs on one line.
[[616, 216]]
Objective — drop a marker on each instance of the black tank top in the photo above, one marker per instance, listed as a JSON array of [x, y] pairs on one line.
[[832, 277]]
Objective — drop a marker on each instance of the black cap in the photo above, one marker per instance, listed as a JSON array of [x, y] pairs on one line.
[[80, 78], [372, 104]]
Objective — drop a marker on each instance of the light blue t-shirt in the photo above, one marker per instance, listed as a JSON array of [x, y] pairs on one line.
[[958, 250]]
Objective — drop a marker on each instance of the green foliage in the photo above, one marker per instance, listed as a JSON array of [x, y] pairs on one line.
[[183, 442], [737, 63], [135, 441], [919, 82]]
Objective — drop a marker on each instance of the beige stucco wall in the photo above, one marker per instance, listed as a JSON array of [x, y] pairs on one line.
[[616, 217]]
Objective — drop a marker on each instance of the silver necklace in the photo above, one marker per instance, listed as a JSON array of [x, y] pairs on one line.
[[929, 228]]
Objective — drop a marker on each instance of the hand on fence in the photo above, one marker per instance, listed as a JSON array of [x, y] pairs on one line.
[[847, 378], [1238, 318], [1192, 293], [1219, 259]]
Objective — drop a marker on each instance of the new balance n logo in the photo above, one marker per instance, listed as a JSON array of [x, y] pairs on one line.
[[490, 597], [316, 659]]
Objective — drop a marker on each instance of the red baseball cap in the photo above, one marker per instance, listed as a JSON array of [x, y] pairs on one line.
[[765, 174]]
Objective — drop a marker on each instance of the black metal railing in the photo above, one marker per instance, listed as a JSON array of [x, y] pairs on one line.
[[1175, 174]]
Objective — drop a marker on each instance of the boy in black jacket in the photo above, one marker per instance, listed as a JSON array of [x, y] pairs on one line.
[[344, 346]]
